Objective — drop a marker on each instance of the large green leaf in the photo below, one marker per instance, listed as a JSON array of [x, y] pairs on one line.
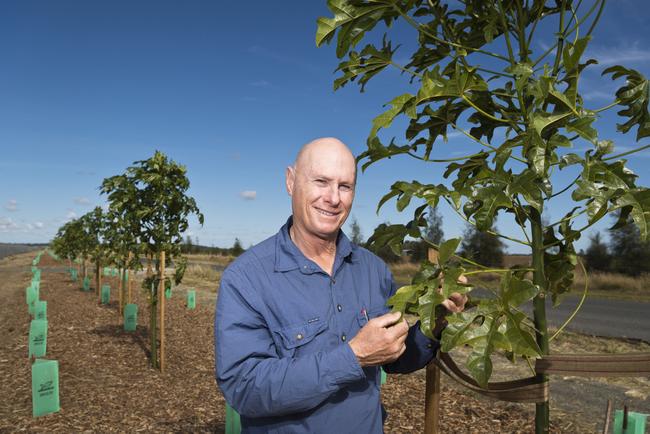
[[399, 104], [365, 65], [521, 340], [447, 249], [516, 291], [427, 309], [634, 95], [479, 362], [639, 201], [404, 297], [487, 202]]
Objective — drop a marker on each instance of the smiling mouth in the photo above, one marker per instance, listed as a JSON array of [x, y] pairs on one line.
[[326, 213]]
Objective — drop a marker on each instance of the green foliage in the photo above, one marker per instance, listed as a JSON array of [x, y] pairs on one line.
[[355, 233], [630, 254], [524, 112], [597, 258], [237, 248], [482, 247]]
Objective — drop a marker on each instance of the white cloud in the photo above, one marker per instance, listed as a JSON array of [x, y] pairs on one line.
[[71, 215], [630, 53], [260, 83], [7, 224], [248, 195], [81, 201], [12, 205], [39, 225]]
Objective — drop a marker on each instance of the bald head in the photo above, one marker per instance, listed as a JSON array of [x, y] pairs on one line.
[[324, 147], [321, 185]]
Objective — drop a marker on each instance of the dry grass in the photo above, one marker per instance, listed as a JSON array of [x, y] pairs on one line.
[[202, 275], [615, 285], [403, 271], [212, 259]]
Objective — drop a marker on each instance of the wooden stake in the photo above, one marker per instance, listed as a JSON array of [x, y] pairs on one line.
[[607, 417], [120, 287], [161, 298], [432, 394], [98, 281], [432, 400]]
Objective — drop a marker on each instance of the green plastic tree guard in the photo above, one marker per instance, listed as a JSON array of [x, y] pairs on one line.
[[130, 317], [636, 423], [191, 299], [233, 421], [114, 272], [37, 338], [73, 275], [168, 293], [86, 284], [106, 294], [40, 309], [107, 271], [45, 387]]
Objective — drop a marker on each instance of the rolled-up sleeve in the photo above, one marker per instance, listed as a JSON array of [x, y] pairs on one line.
[[254, 379]]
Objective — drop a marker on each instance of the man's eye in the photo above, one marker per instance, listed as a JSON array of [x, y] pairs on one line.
[[321, 182], [345, 187]]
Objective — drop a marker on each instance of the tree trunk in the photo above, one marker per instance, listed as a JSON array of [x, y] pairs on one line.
[[120, 291], [161, 297], [153, 332], [432, 393], [98, 280], [542, 409]]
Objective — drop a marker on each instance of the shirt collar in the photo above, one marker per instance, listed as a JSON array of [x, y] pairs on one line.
[[289, 257]]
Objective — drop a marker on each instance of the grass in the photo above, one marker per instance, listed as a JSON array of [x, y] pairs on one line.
[[202, 276], [212, 259], [601, 285]]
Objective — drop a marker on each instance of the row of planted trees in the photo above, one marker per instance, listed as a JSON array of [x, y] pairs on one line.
[[148, 211]]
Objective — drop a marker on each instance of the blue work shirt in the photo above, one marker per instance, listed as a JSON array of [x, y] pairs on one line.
[[282, 328]]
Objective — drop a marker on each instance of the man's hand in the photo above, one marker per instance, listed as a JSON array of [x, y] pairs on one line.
[[381, 340], [456, 302]]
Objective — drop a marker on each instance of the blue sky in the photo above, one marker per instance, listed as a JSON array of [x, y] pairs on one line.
[[229, 89]]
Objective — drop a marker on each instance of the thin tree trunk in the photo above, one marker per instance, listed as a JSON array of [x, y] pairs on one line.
[[542, 409], [161, 297]]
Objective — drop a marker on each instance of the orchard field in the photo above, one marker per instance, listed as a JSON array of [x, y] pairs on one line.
[[107, 384]]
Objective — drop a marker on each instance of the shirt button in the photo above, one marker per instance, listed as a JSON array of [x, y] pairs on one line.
[[299, 336], [343, 337], [339, 308]]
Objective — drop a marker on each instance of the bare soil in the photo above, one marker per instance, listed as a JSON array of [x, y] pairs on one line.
[[107, 385]]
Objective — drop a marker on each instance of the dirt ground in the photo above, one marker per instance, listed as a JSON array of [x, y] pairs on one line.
[[107, 385]]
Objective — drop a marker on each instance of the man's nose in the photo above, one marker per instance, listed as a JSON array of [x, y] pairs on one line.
[[333, 195]]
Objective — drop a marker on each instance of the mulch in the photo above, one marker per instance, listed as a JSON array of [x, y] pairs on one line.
[[107, 384]]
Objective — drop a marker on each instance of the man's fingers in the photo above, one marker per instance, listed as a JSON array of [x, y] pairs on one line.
[[455, 303], [387, 319]]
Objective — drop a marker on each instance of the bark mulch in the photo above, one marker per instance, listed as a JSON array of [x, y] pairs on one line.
[[107, 385]]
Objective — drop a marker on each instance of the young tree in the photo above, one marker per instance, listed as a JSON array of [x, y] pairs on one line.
[[151, 198], [478, 68], [433, 231], [597, 258], [355, 232], [630, 254], [237, 248], [482, 247]]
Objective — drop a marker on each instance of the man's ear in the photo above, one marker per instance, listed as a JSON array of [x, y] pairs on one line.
[[290, 179]]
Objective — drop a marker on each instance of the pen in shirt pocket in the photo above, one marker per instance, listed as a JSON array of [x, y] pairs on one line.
[[365, 314]]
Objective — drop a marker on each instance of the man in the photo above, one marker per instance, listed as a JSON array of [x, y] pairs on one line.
[[301, 325]]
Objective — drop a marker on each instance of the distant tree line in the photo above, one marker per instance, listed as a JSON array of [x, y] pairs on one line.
[[192, 246], [625, 253], [481, 247]]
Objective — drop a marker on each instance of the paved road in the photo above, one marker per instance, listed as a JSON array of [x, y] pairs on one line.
[[600, 317]]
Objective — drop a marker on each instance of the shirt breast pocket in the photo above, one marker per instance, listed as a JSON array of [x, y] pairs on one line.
[[367, 315], [301, 338]]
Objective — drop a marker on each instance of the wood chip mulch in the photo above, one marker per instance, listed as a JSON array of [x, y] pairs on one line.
[[107, 385]]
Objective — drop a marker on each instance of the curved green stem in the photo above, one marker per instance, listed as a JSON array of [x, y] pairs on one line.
[[419, 28], [400, 67], [448, 160], [582, 300], [496, 270], [608, 106], [565, 188], [627, 153], [505, 237]]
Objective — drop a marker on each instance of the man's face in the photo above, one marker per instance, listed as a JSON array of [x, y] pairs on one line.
[[322, 189]]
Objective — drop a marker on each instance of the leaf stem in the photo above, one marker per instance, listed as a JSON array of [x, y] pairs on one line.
[[627, 153], [582, 300]]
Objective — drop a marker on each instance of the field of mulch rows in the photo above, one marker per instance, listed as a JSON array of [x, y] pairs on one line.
[[107, 385]]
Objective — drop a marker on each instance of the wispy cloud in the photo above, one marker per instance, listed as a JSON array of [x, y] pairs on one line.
[[260, 83], [12, 205], [282, 58], [630, 53], [81, 201], [7, 224], [71, 215], [248, 195], [39, 225]]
